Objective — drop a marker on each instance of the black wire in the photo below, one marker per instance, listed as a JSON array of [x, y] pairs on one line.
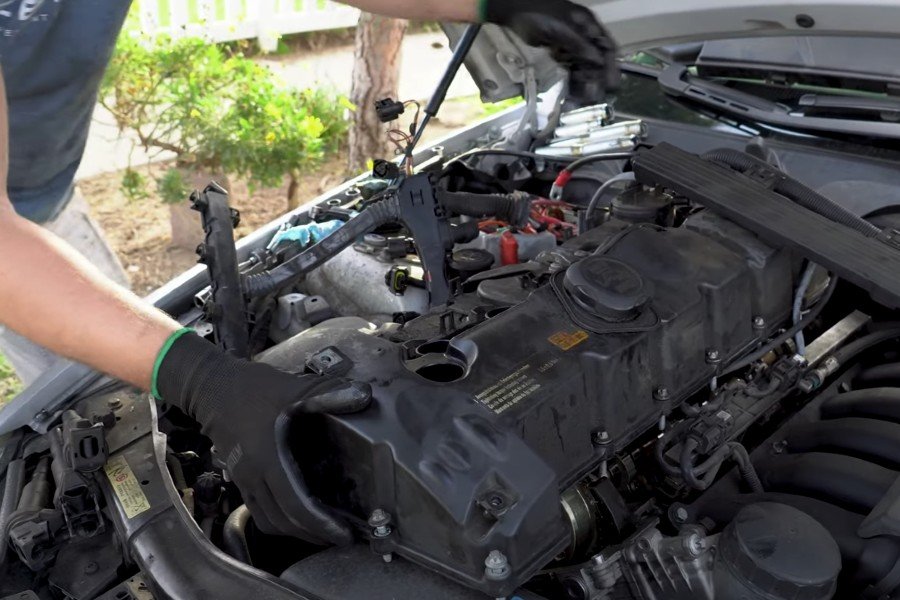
[[581, 162], [742, 363]]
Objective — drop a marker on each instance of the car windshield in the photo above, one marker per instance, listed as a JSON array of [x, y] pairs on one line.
[[809, 86]]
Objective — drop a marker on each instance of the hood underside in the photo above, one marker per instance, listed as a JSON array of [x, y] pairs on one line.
[[500, 63]]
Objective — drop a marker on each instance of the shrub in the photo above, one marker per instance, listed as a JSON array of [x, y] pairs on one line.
[[218, 111]]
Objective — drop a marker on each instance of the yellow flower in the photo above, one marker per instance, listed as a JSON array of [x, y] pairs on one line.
[[270, 137], [195, 113]]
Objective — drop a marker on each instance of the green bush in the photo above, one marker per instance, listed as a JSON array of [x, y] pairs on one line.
[[218, 111]]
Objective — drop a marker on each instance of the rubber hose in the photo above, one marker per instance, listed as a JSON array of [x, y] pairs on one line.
[[12, 490], [514, 210], [234, 534], [849, 482], [879, 375], [795, 191], [864, 343], [746, 468], [871, 439], [865, 561], [627, 176], [878, 403], [378, 214]]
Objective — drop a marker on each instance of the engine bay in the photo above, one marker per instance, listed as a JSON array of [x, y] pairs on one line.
[[613, 377]]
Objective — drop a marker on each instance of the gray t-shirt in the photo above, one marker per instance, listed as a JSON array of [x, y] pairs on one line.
[[53, 54]]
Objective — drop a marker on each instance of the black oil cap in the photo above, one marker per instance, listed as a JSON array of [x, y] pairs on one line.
[[607, 288], [773, 550], [470, 261]]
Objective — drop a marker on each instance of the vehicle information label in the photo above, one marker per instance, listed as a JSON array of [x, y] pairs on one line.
[[126, 486], [518, 385], [565, 340]]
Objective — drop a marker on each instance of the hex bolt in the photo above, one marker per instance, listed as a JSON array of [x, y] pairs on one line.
[[387, 557], [694, 544], [759, 322], [379, 521], [661, 394], [114, 404], [681, 515], [600, 438], [713, 357], [496, 566]]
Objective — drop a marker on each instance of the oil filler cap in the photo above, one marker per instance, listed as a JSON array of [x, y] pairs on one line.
[[607, 288]]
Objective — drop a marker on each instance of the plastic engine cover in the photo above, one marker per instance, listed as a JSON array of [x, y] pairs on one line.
[[472, 436]]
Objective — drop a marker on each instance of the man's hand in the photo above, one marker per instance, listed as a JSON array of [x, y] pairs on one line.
[[571, 32], [246, 408]]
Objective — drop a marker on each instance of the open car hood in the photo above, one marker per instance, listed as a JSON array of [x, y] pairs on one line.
[[500, 63]]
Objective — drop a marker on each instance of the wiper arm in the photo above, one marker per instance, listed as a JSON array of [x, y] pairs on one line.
[[676, 81], [887, 109]]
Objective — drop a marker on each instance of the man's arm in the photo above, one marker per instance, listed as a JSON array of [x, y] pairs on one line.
[[570, 31], [54, 297], [421, 10]]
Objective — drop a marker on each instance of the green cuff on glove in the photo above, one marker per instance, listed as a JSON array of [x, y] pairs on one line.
[[167, 345], [481, 11]]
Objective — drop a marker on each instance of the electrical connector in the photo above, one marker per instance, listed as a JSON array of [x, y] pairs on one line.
[[389, 110]]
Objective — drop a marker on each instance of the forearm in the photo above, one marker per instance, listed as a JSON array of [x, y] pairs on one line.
[[53, 296], [421, 10]]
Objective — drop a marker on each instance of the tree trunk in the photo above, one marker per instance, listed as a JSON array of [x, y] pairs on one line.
[[293, 191], [376, 73]]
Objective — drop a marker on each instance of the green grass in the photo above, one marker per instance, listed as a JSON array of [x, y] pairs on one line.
[[9, 383]]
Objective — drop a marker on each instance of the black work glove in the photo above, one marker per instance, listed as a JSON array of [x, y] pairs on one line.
[[245, 408], [574, 36]]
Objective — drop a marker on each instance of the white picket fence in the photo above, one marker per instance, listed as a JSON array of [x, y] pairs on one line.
[[229, 20]]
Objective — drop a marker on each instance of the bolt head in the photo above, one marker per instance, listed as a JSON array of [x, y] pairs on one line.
[[91, 568], [379, 518], [759, 322], [713, 356], [662, 394], [681, 514]]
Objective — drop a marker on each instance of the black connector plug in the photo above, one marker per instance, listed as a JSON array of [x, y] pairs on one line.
[[389, 110]]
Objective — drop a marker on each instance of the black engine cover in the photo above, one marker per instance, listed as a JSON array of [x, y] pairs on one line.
[[473, 435]]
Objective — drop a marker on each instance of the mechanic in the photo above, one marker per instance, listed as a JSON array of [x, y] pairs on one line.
[[53, 56]]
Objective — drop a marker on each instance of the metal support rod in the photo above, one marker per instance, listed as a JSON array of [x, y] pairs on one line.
[[440, 93]]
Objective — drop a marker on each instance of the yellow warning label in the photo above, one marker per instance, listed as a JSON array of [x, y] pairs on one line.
[[565, 340], [126, 486]]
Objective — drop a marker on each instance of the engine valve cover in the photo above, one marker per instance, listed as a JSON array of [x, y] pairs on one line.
[[484, 415]]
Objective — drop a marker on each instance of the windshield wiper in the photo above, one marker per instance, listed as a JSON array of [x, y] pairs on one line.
[[676, 81], [887, 109]]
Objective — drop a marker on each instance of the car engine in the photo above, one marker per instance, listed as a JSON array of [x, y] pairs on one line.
[[608, 378]]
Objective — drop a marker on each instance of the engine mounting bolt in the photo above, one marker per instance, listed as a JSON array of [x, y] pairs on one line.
[[661, 394], [681, 515], [379, 521], [713, 356], [759, 323], [496, 566]]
